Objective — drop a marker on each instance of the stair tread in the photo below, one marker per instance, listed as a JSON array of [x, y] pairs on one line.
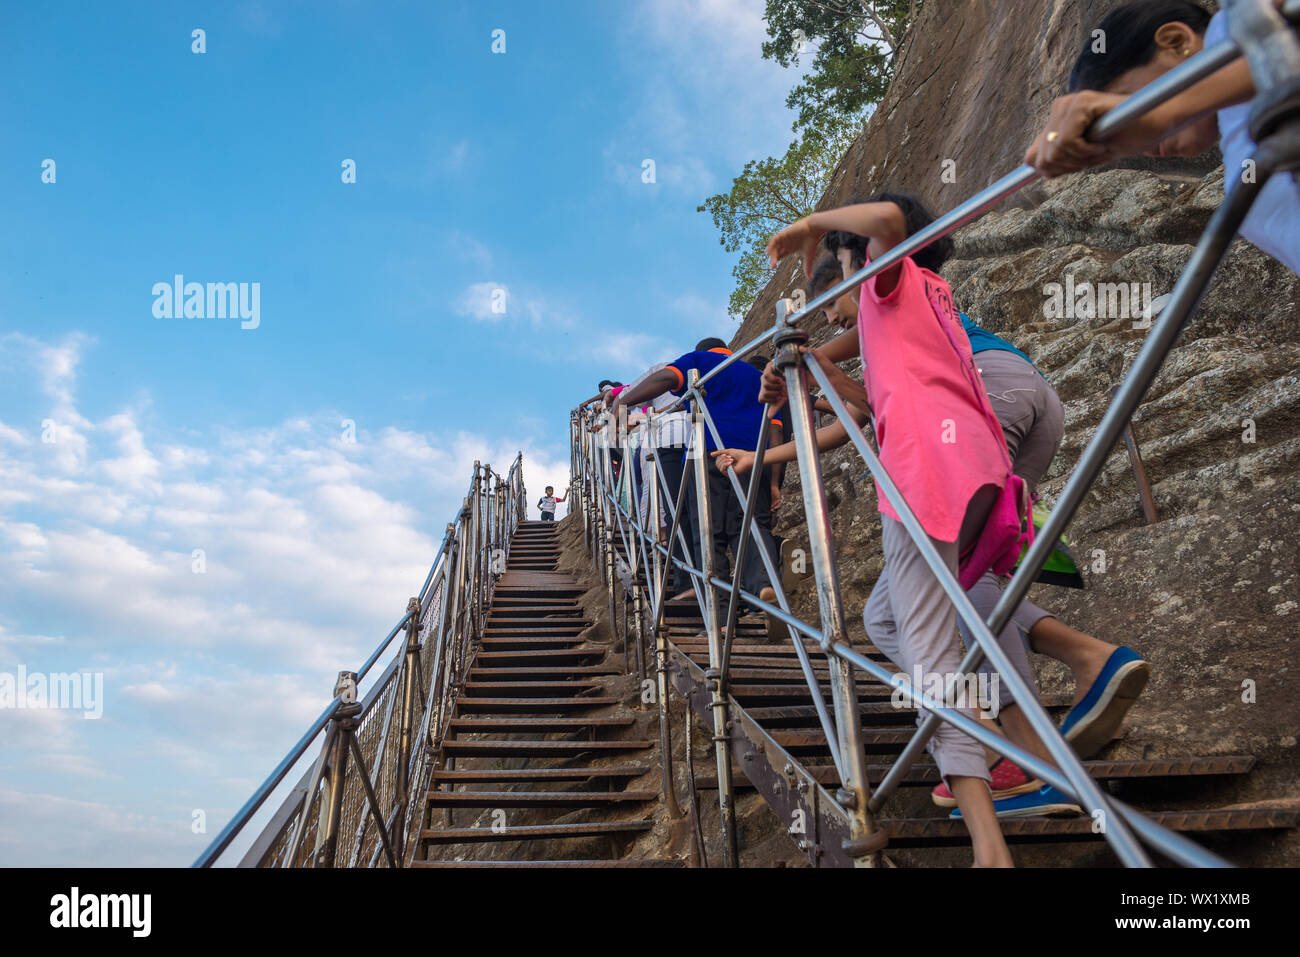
[[536, 798], [534, 704], [461, 835], [542, 774], [543, 746], [905, 832], [487, 723], [619, 862]]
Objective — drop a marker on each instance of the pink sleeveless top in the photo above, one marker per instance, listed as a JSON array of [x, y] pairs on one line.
[[935, 440]]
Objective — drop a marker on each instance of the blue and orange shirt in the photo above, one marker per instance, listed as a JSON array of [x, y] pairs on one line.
[[731, 396]]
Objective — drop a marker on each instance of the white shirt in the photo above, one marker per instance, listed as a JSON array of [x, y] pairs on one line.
[[671, 430], [1274, 221]]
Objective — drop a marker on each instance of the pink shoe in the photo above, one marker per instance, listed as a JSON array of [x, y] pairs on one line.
[[1008, 781]]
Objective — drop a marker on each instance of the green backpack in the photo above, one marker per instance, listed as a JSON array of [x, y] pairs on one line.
[[1061, 567]]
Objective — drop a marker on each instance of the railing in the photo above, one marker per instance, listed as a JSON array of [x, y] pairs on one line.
[[1274, 56], [360, 803]]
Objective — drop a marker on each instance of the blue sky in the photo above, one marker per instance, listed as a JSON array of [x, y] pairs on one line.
[[475, 172]]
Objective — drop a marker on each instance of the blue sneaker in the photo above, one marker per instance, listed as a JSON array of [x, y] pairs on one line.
[[1046, 800], [1093, 721]]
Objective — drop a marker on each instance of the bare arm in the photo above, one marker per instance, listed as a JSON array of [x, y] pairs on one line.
[[883, 223], [1061, 147], [655, 384], [827, 437]]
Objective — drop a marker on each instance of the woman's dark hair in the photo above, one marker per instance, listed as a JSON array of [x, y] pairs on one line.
[[1128, 36], [826, 274], [916, 217], [607, 382]]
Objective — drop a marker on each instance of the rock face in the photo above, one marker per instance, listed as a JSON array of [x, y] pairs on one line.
[[1210, 593]]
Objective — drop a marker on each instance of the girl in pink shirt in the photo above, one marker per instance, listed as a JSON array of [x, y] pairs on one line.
[[936, 442]]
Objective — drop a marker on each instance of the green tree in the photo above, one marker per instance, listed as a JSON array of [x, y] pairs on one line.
[[858, 43], [768, 195], [857, 47]]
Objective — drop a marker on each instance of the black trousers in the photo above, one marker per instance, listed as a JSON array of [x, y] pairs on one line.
[[725, 513], [672, 462]]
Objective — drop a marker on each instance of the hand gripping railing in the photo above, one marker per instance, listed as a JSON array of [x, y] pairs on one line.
[[1274, 56], [360, 802]]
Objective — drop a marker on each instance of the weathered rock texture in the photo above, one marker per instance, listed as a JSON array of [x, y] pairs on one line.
[[1210, 593]]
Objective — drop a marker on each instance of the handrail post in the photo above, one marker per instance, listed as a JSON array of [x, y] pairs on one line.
[[865, 840], [406, 735], [660, 639], [713, 676], [344, 724], [607, 531], [637, 634]]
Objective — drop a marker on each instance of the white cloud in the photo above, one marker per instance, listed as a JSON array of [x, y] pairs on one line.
[[12, 435], [41, 830], [456, 156], [495, 302], [705, 316], [469, 249], [311, 548], [709, 63], [484, 301], [632, 352]]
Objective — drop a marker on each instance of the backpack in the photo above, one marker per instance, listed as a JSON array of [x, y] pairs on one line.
[[1009, 528]]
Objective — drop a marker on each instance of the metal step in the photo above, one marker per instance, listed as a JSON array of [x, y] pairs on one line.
[[542, 689], [523, 725], [872, 712], [531, 643], [875, 740], [945, 832], [533, 633], [531, 704], [927, 775], [524, 775], [536, 798], [544, 657], [532, 832], [619, 863], [502, 673], [537, 749]]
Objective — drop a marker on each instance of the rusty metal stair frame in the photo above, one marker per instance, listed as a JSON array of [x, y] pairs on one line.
[[509, 724], [352, 804], [804, 795], [1267, 42]]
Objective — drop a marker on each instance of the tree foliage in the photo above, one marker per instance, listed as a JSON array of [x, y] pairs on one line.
[[857, 46], [768, 195]]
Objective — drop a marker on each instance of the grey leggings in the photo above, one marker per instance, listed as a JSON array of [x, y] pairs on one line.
[[910, 619], [908, 600], [1033, 421]]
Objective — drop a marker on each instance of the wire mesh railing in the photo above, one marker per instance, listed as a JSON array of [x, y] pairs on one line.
[[359, 803], [611, 518]]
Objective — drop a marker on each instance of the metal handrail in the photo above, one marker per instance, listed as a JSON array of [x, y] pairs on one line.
[[601, 508], [415, 691]]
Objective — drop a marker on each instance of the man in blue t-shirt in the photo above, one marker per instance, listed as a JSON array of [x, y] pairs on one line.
[[732, 401]]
